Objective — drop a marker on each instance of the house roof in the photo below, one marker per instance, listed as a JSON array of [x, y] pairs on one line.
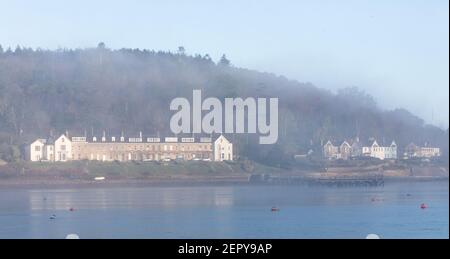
[[345, 142], [41, 140], [151, 139], [380, 143], [333, 142]]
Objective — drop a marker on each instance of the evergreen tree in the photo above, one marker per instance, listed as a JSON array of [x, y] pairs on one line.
[[101, 45], [181, 50], [224, 61]]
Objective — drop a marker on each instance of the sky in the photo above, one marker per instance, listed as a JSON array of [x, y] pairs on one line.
[[397, 51]]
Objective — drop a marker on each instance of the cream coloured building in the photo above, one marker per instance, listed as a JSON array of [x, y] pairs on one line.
[[132, 149], [223, 149], [62, 149], [380, 151], [36, 150], [412, 151]]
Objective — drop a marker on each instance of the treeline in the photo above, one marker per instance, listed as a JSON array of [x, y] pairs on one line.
[[129, 90]]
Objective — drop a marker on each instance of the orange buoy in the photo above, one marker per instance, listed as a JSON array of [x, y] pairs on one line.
[[423, 206], [71, 209]]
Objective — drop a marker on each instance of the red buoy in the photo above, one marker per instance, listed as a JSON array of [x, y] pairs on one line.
[[423, 206], [71, 209], [274, 209]]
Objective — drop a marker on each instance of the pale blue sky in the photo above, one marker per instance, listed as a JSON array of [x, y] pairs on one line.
[[398, 51]]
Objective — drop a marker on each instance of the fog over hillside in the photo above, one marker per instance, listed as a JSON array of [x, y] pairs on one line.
[[129, 90]]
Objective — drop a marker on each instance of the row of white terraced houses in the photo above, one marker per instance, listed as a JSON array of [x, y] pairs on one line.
[[65, 148]]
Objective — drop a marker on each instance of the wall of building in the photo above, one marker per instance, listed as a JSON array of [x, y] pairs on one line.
[[223, 149], [121, 151], [63, 149], [37, 151]]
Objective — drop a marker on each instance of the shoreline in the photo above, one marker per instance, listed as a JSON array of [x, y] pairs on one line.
[[207, 181], [83, 174]]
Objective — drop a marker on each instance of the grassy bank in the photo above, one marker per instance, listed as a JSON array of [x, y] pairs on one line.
[[130, 170]]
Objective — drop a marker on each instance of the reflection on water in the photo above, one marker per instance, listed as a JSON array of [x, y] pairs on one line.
[[227, 212], [104, 198]]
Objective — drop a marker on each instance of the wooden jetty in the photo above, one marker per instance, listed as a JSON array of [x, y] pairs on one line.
[[330, 181]]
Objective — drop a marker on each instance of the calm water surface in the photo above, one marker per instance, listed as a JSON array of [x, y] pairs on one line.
[[392, 211]]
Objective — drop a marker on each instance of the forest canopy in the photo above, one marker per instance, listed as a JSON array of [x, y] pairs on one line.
[[88, 91]]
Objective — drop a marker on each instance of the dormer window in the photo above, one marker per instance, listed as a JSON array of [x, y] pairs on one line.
[[122, 139], [113, 139], [103, 139], [94, 139]]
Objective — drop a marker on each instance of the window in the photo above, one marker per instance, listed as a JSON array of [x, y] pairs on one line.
[[37, 148], [63, 147]]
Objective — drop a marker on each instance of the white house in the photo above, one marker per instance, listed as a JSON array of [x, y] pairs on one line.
[[37, 150], [426, 151], [330, 150], [223, 149], [335, 151], [63, 148], [49, 151], [381, 152], [391, 151], [345, 150]]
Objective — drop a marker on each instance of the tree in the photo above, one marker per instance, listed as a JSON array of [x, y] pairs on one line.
[[101, 45], [1, 49], [130, 90], [9, 153], [181, 50], [207, 57], [224, 61], [18, 50]]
